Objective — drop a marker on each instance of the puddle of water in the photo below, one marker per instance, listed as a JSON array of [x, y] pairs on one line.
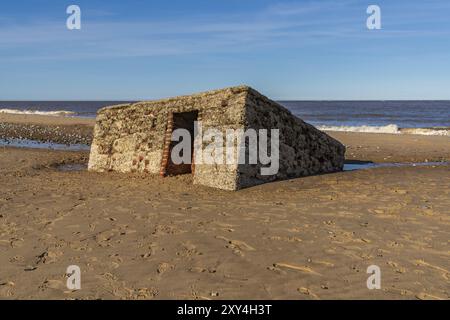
[[347, 167], [70, 167], [369, 165], [25, 143], [358, 166]]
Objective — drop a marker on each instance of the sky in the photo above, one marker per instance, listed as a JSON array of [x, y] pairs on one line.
[[288, 50]]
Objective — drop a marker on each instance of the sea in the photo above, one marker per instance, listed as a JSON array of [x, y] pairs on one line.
[[407, 117]]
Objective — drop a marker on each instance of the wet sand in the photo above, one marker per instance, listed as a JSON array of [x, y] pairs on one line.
[[394, 147], [360, 146], [144, 237], [63, 130]]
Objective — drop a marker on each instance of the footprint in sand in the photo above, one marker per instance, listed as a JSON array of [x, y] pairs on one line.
[[52, 284], [428, 296], [104, 238], [116, 260], [166, 230], [6, 289], [396, 267], [49, 256], [225, 226], [285, 238], [163, 267], [445, 273], [289, 266], [188, 250], [203, 269], [17, 259], [308, 292], [237, 246]]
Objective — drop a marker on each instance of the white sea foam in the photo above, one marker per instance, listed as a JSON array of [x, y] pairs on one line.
[[36, 112], [427, 131], [392, 128]]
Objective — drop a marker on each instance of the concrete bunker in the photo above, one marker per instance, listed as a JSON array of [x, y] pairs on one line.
[[138, 138]]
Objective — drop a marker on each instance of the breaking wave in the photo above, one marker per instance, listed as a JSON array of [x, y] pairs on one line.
[[36, 112], [427, 131], [391, 128]]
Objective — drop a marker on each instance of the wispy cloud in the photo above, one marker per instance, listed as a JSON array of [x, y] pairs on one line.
[[277, 26]]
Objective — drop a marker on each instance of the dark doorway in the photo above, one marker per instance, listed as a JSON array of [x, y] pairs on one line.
[[182, 120]]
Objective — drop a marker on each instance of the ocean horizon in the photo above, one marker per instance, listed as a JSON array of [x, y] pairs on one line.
[[431, 117]]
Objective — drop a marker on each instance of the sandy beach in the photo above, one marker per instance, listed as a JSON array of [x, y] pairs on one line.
[[144, 237]]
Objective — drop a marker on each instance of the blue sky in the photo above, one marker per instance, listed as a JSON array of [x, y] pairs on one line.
[[305, 50]]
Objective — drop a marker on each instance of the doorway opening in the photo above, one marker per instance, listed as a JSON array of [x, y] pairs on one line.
[[182, 120]]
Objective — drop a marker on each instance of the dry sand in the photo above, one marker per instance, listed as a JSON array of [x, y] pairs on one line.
[[137, 236]]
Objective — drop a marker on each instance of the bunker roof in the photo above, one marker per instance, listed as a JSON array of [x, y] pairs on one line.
[[157, 103]]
